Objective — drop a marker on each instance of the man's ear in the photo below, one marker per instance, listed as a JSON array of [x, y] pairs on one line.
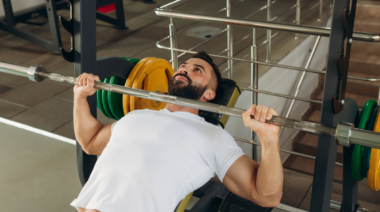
[[209, 94]]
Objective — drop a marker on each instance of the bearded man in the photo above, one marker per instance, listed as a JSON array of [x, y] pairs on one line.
[[150, 160]]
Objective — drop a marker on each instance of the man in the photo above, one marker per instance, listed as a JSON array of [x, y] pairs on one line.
[[150, 160]]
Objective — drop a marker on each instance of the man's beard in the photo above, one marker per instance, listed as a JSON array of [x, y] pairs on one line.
[[190, 91]]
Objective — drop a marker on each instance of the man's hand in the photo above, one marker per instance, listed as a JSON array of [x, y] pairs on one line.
[[86, 85], [261, 114]]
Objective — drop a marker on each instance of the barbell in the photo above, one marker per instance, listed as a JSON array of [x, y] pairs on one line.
[[345, 134]]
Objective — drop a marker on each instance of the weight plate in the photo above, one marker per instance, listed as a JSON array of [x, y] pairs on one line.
[[153, 76], [130, 80], [357, 154], [99, 100], [373, 178], [105, 101], [134, 61], [373, 174], [115, 100], [367, 150]]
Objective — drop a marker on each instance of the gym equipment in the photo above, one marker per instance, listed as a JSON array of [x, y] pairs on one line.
[[227, 94], [235, 203], [115, 100], [99, 100], [154, 76], [129, 82], [49, 10], [105, 101], [357, 154], [373, 174], [367, 150], [114, 108], [134, 61], [345, 133]]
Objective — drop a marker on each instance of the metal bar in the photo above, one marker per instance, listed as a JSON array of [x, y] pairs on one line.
[[40, 41], [322, 31], [244, 60], [203, 42], [84, 29], [259, 10], [9, 12], [335, 205], [269, 32], [254, 143], [54, 26], [298, 16], [120, 19], [326, 150], [254, 85], [303, 74], [282, 95], [230, 52], [173, 44], [265, 63], [173, 4], [349, 184], [320, 9], [356, 136]]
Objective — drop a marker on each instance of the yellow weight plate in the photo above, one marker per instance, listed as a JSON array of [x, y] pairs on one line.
[[153, 76], [373, 174], [129, 82]]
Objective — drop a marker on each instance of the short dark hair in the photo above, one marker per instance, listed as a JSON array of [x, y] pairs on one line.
[[204, 56]]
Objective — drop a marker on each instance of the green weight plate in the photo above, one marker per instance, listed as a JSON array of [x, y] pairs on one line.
[[105, 101], [115, 100], [367, 150], [357, 154], [99, 100], [132, 60]]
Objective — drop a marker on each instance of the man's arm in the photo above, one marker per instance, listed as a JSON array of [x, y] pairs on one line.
[[92, 135], [261, 183]]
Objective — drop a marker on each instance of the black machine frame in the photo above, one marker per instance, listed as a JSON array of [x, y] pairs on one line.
[[84, 57], [49, 10]]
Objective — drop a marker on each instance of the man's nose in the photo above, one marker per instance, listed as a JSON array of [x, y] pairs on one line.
[[182, 71]]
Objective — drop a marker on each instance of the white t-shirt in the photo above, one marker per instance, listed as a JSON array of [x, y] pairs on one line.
[[154, 159]]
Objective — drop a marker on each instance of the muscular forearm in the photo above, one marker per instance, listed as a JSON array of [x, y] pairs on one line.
[[85, 125], [269, 179]]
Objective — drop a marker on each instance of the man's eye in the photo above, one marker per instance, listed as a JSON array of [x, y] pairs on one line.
[[198, 70]]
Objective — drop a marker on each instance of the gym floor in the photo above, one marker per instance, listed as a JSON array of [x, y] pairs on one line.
[[39, 172]]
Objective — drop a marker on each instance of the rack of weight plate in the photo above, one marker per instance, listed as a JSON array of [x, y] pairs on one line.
[[335, 107]]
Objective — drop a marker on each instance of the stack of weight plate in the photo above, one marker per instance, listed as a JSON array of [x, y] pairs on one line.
[[365, 160], [150, 74]]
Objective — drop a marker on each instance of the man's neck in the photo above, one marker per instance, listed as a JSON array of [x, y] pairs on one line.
[[174, 108]]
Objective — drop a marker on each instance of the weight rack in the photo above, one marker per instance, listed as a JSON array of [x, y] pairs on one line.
[[49, 10]]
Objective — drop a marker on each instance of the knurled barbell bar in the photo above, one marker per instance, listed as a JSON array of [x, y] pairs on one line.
[[345, 134]]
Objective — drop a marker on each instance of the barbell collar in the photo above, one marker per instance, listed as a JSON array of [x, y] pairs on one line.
[[33, 73], [343, 134]]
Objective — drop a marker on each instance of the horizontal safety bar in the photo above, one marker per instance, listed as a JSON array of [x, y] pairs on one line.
[[322, 31], [283, 150], [265, 63], [282, 95]]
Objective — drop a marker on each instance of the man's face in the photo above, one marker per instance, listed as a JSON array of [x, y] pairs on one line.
[[191, 80]]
